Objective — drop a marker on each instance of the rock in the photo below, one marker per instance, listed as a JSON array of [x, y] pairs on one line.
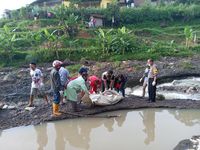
[[160, 97], [191, 90], [8, 107], [189, 144], [29, 108], [11, 107], [5, 107], [10, 77], [1, 105]]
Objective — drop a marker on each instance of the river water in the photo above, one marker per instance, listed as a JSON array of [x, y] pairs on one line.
[[145, 129], [188, 88]]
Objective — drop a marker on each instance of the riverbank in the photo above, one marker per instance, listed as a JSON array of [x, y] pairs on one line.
[[10, 118], [15, 88]]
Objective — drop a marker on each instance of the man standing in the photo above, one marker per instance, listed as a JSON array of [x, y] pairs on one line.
[[37, 86], [56, 86], [152, 80], [64, 78]]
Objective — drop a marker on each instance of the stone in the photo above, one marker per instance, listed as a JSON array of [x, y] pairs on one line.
[[192, 90], [1, 105], [160, 97], [189, 144], [10, 77]]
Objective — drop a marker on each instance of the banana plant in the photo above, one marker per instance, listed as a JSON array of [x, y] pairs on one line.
[[106, 40], [7, 39], [124, 39], [71, 25], [189, 35], [53, 40]]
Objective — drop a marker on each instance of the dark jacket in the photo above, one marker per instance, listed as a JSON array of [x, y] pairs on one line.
[[55, 81]]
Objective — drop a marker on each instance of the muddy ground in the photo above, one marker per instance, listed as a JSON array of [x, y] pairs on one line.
[[42, 113], [15, 88]]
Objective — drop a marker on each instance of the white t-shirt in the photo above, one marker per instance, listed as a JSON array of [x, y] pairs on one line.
[[36, 76]]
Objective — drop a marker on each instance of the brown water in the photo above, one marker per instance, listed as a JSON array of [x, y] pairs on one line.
[[146, 129]]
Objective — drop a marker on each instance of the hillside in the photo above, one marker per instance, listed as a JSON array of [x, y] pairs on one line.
[[67, 36]]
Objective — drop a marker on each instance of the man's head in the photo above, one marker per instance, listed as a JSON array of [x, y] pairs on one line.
[[32, 65], [109, 73], [150, 62], [84, 73], [57, 64]]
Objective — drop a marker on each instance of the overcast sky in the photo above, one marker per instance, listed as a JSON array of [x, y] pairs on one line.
[[12, 4]]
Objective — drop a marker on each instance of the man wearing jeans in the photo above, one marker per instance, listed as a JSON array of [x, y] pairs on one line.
[[152, 80]]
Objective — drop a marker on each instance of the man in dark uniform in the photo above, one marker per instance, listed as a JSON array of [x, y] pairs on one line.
[[152, 80]]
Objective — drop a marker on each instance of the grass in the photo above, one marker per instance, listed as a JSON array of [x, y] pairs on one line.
[[73, 69], [158, 45]]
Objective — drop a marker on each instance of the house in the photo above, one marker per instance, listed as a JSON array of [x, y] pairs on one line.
[[86, 3], [98, 19], [46, 2], [94, 3]]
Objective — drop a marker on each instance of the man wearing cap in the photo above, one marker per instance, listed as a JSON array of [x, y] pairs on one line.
[[37, 85], [56, 86], [75, 86], [152, 80]]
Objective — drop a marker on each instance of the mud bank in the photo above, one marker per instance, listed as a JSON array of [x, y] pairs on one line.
[[42, 113], [15, 89]]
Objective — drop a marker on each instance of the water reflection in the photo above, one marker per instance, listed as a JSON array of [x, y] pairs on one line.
[[120, 120], [144, 129], [148, 118], [189, 119], [77, 133], [69, 132], [42, 137]]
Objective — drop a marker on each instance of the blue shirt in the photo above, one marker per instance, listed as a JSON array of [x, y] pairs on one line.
[[64, 75]]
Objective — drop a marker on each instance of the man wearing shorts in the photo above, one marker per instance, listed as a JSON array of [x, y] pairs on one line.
[[37, 85]]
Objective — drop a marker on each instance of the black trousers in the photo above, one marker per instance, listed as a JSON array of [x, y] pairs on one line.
[[151, 90]]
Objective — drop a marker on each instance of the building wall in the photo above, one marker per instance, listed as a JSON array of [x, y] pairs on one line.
[[99, 22], [104, 3], [66, 3], [139, 2]]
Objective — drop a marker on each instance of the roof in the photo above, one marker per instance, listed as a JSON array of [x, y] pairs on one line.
[[97, 15]]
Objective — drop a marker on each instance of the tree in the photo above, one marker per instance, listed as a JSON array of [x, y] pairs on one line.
[[7, 39], [113, 13]]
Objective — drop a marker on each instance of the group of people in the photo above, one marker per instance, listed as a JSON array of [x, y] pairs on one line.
[[65, 87]]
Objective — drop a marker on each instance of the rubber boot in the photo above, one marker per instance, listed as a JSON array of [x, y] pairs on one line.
[[56, 110]]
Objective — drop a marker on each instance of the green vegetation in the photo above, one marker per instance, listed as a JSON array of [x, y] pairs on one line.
[[136, 33]]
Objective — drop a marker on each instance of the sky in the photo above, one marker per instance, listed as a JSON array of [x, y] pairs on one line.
[[12, 4]]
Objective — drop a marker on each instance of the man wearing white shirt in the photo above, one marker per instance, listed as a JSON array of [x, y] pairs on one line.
[[37, 85]]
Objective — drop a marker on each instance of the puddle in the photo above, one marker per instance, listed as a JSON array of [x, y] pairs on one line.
[[146, 129]]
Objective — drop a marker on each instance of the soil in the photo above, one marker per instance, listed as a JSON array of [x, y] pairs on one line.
[[15, 89]]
